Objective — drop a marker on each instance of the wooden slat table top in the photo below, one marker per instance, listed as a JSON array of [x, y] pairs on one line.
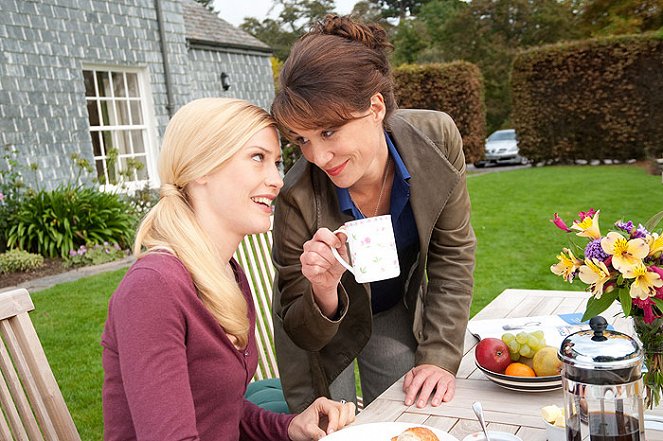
[[505, 410]]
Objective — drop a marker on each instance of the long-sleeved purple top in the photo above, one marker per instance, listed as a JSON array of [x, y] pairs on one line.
[[170, 371]]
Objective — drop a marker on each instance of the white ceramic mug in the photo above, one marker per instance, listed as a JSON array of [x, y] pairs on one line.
[[372, 249]]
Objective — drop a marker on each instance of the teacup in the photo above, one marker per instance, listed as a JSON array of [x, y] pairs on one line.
[[372, 249]]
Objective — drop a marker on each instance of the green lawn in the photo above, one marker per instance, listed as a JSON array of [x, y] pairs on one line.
[[516, 246]]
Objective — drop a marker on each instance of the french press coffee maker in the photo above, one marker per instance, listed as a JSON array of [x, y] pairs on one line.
[[602, 382]]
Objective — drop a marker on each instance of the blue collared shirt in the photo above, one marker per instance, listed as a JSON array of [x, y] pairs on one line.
[[385, 294]]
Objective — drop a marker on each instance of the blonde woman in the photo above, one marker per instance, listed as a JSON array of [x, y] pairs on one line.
[[179, 346]]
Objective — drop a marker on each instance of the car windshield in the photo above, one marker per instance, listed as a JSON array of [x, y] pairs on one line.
[[502, 135]]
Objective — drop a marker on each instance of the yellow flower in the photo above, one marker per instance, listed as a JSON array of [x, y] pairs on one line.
[[567, 265], [645, 283], [594, 273], [625, 253], [588, 227], [655, 243]]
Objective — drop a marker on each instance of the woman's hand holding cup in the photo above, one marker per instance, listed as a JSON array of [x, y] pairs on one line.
[[322, 269]]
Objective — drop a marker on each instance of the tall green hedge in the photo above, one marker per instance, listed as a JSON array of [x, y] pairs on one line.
[[594, 99], [455, 88]]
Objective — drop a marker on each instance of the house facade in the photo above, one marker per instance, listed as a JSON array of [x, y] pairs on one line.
[[100, 79]]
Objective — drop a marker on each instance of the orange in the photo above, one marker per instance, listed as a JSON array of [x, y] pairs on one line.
[[519, 370]]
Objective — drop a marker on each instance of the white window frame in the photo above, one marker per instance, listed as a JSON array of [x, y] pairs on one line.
[[148, 126]]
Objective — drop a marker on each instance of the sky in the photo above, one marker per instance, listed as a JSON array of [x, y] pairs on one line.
[[234, 11]]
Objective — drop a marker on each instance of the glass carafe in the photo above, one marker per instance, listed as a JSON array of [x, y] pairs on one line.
[[602, 382]]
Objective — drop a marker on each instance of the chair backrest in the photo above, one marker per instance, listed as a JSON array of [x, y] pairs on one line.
[[32, 404], [254, 254]]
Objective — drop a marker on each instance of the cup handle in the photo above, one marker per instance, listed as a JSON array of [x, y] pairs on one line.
[[341, 260], [338, 257]]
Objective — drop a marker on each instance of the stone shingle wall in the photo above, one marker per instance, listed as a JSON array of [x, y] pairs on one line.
[[249, 75], [46, 44]]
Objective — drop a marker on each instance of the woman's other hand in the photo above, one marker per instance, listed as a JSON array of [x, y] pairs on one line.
[[421, 381], [321, 418], [322, 269]]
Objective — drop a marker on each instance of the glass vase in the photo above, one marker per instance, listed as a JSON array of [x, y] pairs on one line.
[[651, 338]]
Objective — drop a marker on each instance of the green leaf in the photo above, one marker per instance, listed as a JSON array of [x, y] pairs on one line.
[[658, 302], [652, 223], [626, 301], [597, 306]]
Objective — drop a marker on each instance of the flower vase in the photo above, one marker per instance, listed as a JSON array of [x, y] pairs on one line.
[[651, 337]]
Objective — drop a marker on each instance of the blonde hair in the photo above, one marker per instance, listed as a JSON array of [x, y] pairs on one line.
[[200, 137]]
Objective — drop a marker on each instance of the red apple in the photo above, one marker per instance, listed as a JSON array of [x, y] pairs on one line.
[[492, 354]]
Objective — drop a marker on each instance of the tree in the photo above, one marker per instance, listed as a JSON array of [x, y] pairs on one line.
[[610, 17], [489, 33], [399, 8], [209, 4], [295, 18]]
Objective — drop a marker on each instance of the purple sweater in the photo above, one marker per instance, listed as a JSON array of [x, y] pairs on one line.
[[170, 371]]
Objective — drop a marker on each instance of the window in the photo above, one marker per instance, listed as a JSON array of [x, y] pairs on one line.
[[117, 111]]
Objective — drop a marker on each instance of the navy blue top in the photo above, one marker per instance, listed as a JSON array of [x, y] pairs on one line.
[[385, 294]]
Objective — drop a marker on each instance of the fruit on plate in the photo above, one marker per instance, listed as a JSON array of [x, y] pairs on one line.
[[492, 354], [524, 344], [546, 362], [553, 415], [516, 369]]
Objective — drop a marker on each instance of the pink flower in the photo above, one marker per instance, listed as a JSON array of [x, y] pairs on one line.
[[583, 214], [2, 197], [559, 223], [659, 271], [647, 308]]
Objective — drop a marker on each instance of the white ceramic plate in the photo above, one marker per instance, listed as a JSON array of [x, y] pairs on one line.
[[526, 384], [380, 432], [494, 436]]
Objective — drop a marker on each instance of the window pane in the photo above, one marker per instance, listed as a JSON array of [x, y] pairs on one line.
[[103, 83], [142, 173], [108, 143], [122, 113], [105, 113], [88, 78], [122, 143], [138, 143], [132, 84], [136, 114], [96, 144], [99, 163], [93, 113], [118, 84]]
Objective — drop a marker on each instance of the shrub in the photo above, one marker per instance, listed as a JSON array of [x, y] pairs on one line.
[[455, 88], [19, 260], [55, 222], [94, 254], [594, 99]]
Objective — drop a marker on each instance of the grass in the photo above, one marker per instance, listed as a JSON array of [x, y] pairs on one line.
[[516, 246]]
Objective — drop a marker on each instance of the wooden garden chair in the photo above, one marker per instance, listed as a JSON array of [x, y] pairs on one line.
[[254, 254], [32, 404]]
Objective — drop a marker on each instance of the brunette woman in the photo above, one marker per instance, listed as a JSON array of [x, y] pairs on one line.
[[362, 157]]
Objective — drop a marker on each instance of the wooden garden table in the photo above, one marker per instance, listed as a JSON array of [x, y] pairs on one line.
[[505, 410]]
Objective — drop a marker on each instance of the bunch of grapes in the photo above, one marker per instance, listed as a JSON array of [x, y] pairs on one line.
[[524, 344]]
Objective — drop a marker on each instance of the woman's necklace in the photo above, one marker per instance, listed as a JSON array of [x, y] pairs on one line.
[[384, 181]]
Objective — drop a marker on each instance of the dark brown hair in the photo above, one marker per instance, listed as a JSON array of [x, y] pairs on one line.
[[332, 72]]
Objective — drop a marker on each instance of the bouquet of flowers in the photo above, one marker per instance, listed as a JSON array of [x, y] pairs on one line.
[[625, 265]]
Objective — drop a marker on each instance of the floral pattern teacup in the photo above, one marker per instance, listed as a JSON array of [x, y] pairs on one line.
[[372, 249]]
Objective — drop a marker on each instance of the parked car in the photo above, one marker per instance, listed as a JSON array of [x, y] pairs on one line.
[[501, 148]]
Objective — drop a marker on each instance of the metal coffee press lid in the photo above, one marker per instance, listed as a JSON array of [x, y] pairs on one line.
[[601, 356]]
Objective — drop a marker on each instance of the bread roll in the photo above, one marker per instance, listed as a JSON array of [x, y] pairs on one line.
[[416, 434]]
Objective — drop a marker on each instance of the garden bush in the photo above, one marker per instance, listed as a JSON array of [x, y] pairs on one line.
[[455, 88], [19, 260], [52, 223], [594, 99], [94, 254]]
